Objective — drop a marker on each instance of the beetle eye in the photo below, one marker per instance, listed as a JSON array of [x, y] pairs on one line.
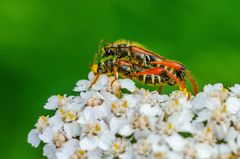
[[109, 51]]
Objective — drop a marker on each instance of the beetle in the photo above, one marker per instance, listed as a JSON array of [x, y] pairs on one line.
[[148, 62], [155, 76]]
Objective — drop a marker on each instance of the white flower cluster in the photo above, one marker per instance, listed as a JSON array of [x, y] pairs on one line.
[[110, 122]]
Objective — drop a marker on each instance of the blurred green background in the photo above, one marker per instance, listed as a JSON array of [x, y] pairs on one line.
[[47, 45]]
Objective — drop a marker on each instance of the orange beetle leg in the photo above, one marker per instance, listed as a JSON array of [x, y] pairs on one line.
[[171, 64], [115, 72], [160, 88], [195, 89], [157, 71], [94, 81]]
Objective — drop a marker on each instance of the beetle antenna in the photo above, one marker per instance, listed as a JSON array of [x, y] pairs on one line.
[[99, 50]]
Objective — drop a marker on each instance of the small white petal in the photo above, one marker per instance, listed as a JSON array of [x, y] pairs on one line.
[[233, 105], [33, 138], [97, 112], [72, 129], [203, 100], [238, 140], [236, 89], [175, 155], [127, 155], [203, 115], [176, 142], [233, 146], [108, 96], [67, 149], [220, 130], [82, 85], [52, 103], [223, 149], [126, 130], [199, 102], [95, 154], [204, 151], [91, 76], [232, 134], [128, 84], [117, 123], [148, 110], [55, 122], [101, 82], [47, 135], [213, 89], [88, 143], [131, 100], [49, 151], [105, 140], [160, 148]]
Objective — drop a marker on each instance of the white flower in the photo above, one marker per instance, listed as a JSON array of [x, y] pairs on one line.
[[233, 105], [215, 90], [52, 103], [175, 155], [204, 151], [49, 150], [96, 107], [148, 110], [177, 102], [82, 85], [48, 127], [182, 121], [119, 148], [236, 90], [67, 149], [176, 142], [121, 123], [143, 148], [48, 135], [108, 96], [219, 130], [131, 100], [128, 154], [203, 115], [126, 130], [222, 151], [117, 123], [72, 129], [202, 100], [56, 101], [33, 138], [128, 84], [55, 122], [100, 83], [96, 112], [96, 135], [103, 122]]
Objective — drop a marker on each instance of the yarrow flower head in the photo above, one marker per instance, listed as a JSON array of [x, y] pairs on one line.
[[114, 119]]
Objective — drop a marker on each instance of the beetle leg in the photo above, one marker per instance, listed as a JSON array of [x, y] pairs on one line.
[[158, 70], [160, 88], [168, 63], [195, 89], [94, 81], [178, 66], [115, 72]]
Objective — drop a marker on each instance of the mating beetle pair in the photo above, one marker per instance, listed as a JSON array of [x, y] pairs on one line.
[[131, 60]]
